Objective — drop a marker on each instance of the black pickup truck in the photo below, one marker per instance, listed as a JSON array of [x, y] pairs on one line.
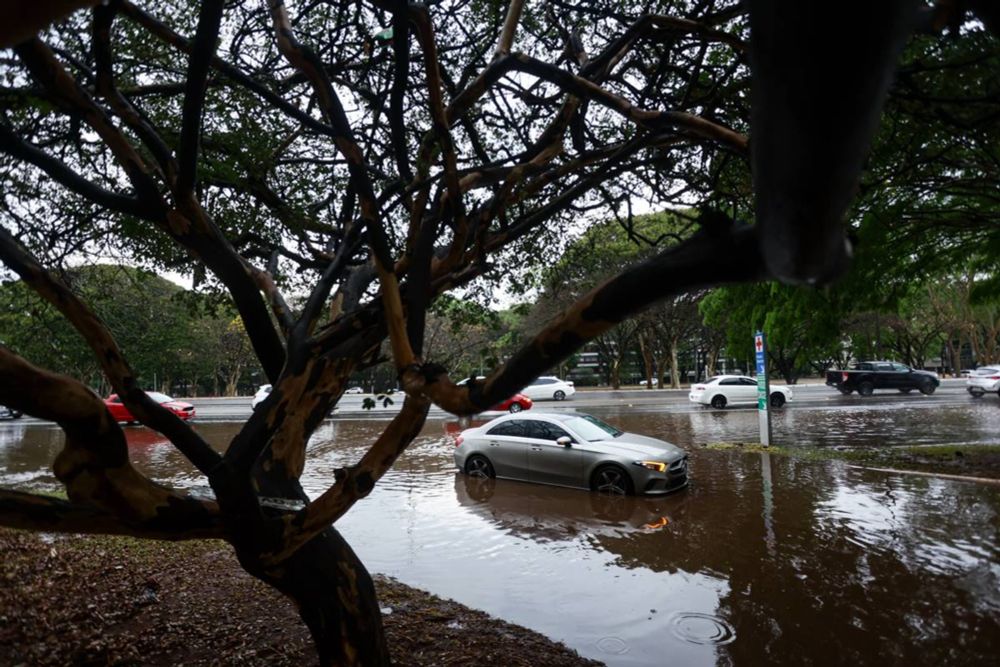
[[868, 376]]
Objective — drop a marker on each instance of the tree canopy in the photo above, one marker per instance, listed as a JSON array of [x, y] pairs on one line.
[[334, 168]]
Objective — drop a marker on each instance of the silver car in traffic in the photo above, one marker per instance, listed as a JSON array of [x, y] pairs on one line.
[[571, 449]]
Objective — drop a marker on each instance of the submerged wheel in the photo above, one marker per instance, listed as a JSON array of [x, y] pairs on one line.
[[927, 388], [866, 388], [479, 466], [777, 400], [845, 391], [515, 407], [612, 480], [718, 402], [559, 395]]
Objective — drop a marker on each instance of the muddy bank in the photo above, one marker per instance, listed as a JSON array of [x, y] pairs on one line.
[[119, 601]]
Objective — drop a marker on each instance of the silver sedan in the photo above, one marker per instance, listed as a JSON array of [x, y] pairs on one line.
[[571, 449]]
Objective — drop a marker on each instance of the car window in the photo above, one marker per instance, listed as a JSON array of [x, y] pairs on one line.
[[158, 397], [748, 381], [987, 370], [544, 430], [536, 429], [900, 368], [555, 432], [514, 427], [712, 379], [591, 428], [730, 381]]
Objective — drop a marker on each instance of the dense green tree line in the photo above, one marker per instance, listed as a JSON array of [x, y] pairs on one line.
[[180, 341]]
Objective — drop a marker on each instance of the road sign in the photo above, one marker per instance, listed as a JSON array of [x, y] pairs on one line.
[[763, 388]]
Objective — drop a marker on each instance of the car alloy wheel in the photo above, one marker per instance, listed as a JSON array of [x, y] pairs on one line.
[[927, 388], [866, 388], [479, 466], [559, 395], [777, 400], [612, 480], [718, 402], [515, 407]]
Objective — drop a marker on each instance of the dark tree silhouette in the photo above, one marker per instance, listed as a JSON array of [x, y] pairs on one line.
[[373, 156]]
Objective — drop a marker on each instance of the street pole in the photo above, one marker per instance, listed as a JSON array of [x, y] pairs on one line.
[[763, 388]]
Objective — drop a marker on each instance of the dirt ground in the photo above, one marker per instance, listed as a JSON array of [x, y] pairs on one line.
[[118, 601]]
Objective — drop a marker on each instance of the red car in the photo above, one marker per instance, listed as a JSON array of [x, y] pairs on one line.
[[118, 410], [515, 403]]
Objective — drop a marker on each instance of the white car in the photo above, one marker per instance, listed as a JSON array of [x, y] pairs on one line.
[[983, 380], [354, 390], [549, 388], [262, 393], [722, 390]]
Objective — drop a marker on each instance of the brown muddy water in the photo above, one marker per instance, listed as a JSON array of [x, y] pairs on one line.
[[763, 560]]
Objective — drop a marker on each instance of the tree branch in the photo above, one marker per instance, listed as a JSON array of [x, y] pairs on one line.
[[202, 51], [704, 260], [29, 511], [357, 481]]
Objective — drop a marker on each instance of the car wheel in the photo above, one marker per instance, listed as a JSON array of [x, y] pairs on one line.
[[612, 480], [927, 388], [866, 388], [906, 390], [977, 394], [845, 391], [559, 395], [479, 466], [515, 407], [718, 402], [777, 400]]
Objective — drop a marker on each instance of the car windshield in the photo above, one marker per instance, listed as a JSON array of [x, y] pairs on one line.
[[591, 428], [158, 397]]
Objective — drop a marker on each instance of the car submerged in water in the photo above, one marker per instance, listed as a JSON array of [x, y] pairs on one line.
[[572, 449]]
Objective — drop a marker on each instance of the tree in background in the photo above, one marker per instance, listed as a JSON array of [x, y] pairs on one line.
[[336, 169]]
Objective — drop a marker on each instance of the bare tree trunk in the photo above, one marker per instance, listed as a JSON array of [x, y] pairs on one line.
[[647, 360], [675, 380], [335, 596], [616, 380]]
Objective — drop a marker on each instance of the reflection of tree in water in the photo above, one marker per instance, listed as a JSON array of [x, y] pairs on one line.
[[854, 571]]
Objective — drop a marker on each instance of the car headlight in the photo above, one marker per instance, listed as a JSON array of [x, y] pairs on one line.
[[658, 466]]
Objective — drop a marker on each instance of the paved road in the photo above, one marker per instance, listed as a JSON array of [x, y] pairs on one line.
[[807, 396], [671, 400]]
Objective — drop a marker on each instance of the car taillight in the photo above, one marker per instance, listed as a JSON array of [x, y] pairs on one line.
[[843, 377], [995, 377], [699, 387], [459, 440]]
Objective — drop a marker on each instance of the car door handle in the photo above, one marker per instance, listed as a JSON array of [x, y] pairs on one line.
[[494, 444], [536, 449]]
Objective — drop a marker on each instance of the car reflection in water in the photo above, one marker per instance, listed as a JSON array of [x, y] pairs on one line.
[[553, 513]]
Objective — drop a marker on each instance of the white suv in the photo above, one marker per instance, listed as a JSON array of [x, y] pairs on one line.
[[548, 388], [985, 379]]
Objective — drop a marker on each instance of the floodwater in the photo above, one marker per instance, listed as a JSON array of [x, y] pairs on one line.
[[763, 560]]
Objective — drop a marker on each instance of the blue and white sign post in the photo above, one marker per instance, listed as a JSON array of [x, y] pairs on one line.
[[763, 388]]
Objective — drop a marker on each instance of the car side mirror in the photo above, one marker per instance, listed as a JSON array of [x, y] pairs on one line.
[[565, 441]]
